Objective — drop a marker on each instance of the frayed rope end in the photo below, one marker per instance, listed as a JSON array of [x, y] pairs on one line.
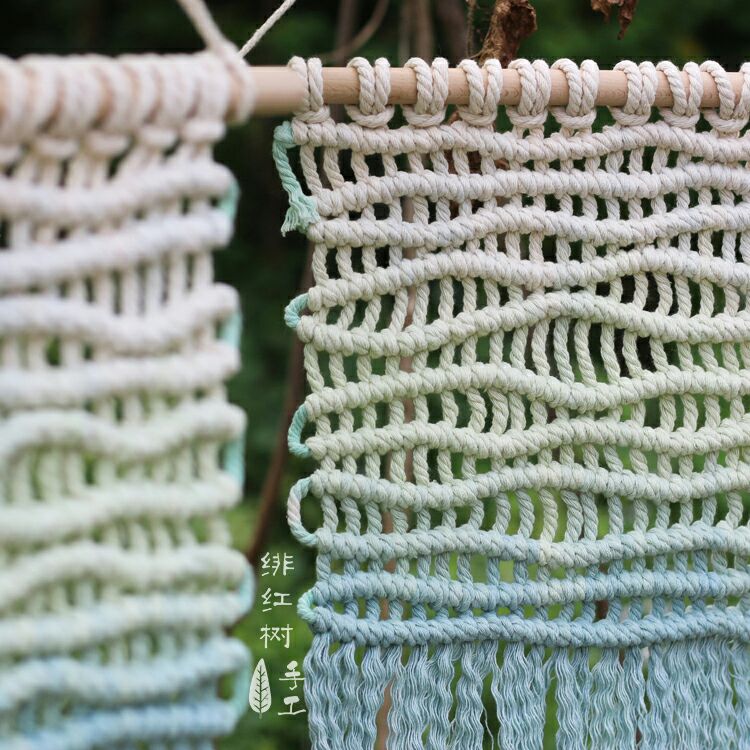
[[300, 214], [302, 210]]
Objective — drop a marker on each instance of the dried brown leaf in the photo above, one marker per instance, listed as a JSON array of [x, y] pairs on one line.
[[510, 23], [625, 12]]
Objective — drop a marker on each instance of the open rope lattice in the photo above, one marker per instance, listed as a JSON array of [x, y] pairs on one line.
[[527, 352], [118, 451]]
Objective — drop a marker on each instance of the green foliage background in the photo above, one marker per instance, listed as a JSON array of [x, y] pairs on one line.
[[266, 269]]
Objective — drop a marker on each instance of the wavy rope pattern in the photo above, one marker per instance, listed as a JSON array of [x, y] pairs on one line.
[[527, 354], [118, 449]]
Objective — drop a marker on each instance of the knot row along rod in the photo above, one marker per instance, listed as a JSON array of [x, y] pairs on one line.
[[280, 91]]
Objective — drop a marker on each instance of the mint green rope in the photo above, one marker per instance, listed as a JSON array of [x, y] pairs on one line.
[[302, 210]]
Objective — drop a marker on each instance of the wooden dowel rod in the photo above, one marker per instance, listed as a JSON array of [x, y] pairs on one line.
[[280, 91]]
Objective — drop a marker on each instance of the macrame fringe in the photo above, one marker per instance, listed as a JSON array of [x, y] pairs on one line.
[[692, 694]]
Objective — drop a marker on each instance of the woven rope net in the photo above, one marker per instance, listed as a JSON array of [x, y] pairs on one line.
[[526, 350], [118, 450]]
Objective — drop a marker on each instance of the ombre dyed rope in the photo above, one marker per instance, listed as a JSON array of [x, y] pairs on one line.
[[527, 353], [118, 449]]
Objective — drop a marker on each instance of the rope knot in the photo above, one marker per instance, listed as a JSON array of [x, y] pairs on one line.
[[432, 92], [536, 86], [731, 117], [313, 108], [583, 86], [485, 89], [686, 101], [374, 89], [642, 82]]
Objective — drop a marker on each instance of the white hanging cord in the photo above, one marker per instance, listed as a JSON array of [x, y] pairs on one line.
[[243, 91], [197, 11], [268, 24]]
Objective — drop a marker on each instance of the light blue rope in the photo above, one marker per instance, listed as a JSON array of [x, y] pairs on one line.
[[229, 202], [302, 210], [234, 451], [293, 311], [299, 420]]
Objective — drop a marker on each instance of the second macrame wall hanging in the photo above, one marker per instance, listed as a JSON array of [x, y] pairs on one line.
[[527, 351]]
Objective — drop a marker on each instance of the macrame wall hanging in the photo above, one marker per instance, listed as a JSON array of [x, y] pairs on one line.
[[118, 451], [527, 356]]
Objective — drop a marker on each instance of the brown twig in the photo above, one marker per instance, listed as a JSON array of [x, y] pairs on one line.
[[339, 55], [625, 12], [471, 9], [345, 25], [424, 42], [295, 391], [450, 14], [510, 23]]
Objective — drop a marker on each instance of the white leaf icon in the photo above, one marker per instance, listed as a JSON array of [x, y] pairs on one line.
[[260, 689]]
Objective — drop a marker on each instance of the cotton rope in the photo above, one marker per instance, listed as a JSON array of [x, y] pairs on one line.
[[265, 27], [118, 450], [204, 23], [526, 350]]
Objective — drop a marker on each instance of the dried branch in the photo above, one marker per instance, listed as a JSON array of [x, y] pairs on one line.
[[346, 49], [424, 44], [295, 392], [471, 9], [450, 13], [345, 27], [625, 12], [510, 23]]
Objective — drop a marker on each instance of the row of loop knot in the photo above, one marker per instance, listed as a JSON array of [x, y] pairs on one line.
[[486, 86], [58, 103]]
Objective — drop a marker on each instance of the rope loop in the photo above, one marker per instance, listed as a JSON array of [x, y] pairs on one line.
[[731, 117], [536, 87], [485, 89], [686, 107], [217, 44], [121, 116], [313, 109], [432, 92], [642, 83], [205, 124], [22, 115], [583, 86], [373, 110]]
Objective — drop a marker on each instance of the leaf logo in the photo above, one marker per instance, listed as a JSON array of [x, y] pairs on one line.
[[260, 689]]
